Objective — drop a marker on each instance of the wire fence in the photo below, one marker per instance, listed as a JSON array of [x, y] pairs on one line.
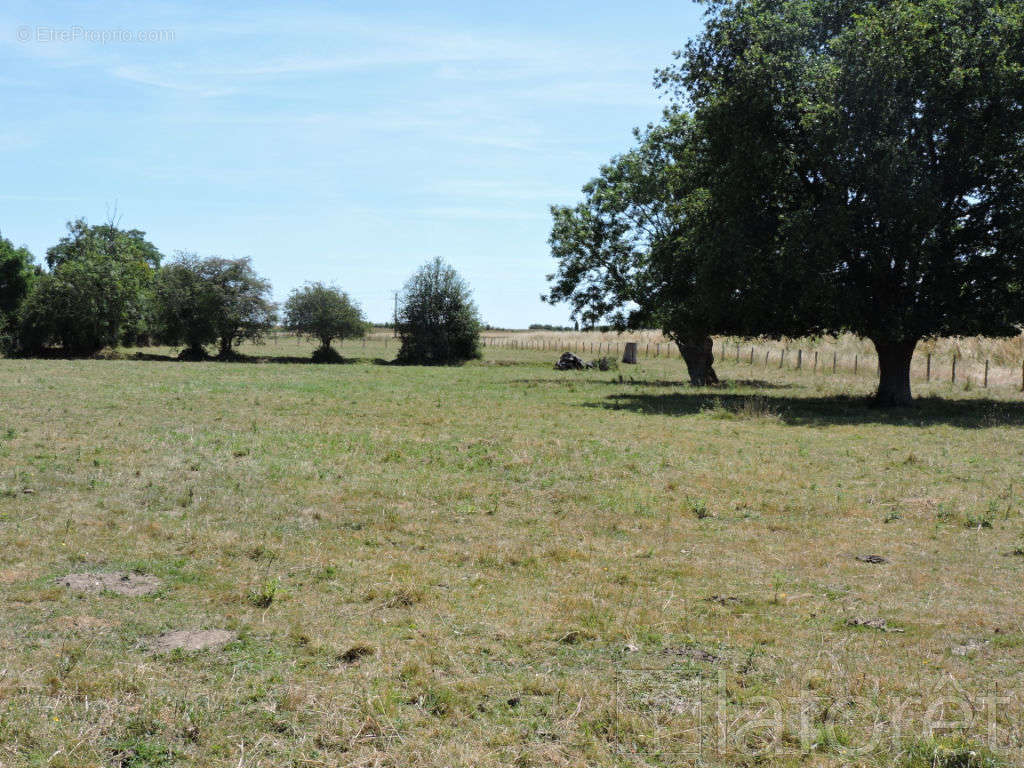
[[925, 366]]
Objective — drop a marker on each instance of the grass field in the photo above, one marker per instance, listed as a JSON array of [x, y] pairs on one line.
[[500, 564]]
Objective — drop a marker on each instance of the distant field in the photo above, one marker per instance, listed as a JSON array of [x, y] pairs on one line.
[[500, 564], [979, 361]]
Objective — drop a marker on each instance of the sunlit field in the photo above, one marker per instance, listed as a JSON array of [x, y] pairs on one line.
[[502, 564]]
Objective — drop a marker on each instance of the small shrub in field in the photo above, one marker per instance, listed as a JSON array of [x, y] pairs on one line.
[[699, 509], [263, 596], [979, 520]]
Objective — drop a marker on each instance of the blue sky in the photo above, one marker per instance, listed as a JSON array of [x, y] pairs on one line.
[[343, 142]]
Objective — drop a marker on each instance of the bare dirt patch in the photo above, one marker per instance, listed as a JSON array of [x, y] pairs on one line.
[[80, 623], [121, 582], [192, 640]]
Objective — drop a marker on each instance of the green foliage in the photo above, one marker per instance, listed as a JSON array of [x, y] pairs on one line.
[[202, 300], [263, 595], [186, 305], [245, 310], [437, 321], [16, 275], [699, 508], [949, 753], [324, 313], [84, 242], [97, 293], [824, 168]]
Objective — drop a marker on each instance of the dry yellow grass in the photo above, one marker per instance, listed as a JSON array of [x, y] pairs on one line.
[[500, 564]]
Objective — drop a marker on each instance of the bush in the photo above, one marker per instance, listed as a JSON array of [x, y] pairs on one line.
[[438, 323]]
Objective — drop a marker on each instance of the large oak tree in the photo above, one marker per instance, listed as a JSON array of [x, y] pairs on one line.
[[826, 166]]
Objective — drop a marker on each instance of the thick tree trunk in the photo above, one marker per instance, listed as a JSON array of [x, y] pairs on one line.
[[697, 354], [894, 372]]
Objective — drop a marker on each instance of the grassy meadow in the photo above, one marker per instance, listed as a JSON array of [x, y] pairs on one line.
[[501, 564]]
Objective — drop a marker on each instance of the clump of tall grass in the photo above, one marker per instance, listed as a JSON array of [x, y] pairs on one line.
[[754, 407]]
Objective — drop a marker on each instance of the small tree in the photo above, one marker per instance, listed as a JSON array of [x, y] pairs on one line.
[[437, 321], [242, 299], [186, 305], [325, 313]]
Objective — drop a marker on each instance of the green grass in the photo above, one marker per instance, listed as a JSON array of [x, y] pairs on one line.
[[501, 564]]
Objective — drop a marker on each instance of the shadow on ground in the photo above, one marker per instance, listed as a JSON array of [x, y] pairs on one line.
[[256, 359], [568, 378], [973, 413]]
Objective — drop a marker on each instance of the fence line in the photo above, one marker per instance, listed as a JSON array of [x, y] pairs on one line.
[[923, 366]]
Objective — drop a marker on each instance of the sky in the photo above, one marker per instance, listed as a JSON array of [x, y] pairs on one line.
[[343, 142]]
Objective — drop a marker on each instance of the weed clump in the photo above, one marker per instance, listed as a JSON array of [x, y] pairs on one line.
[[264, 595], [699, 509], [958, 753]]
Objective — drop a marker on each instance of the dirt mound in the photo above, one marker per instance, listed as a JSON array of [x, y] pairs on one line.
[[192, 640], [121, 582]]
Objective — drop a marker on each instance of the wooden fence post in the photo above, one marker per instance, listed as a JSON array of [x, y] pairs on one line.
[[928, 368], [986, 375], [856, 363], [799, 359], [767, 352], [782, 358], [815, 361], [835, 357], [751, 355], [953, 379]]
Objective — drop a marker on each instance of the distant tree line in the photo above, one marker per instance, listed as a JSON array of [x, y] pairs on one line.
[[104, 286]]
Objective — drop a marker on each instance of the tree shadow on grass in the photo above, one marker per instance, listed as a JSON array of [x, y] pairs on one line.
[[654, 383], [966, 413], [251, 359]]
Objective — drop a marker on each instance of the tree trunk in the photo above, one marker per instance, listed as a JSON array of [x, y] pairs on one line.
[[226, 343], [697, 354], [894, 372]]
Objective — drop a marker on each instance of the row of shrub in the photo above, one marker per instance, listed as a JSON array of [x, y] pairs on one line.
[[103, 286]]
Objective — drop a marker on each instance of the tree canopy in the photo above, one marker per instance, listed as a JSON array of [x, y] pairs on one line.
[[437, 320], [16, 274], [186, 305], [325, 313], [242, 301], [823, 167], [97, 291]]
